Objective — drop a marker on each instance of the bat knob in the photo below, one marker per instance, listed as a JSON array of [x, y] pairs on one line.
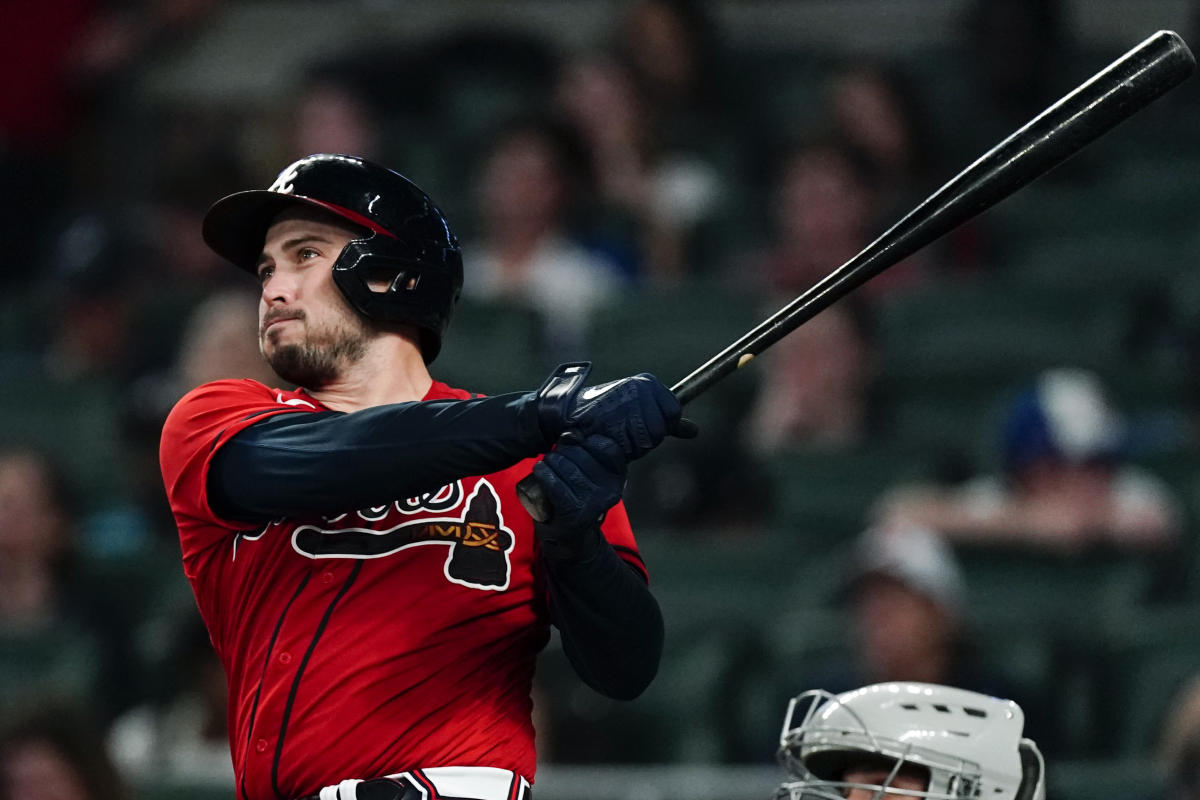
[[533, 498]]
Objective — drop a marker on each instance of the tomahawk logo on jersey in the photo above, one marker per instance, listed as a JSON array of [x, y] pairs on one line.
[[441, 600], [478, 543]]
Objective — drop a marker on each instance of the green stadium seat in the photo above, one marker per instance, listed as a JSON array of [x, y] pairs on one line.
[[1053, 592], [681, 718], [493, 348], [1151, 654], [989, 333], [1095, 778], [77, 422], [823, 497], [56, 660], [669, 332], [1107, 265], [177, 789]]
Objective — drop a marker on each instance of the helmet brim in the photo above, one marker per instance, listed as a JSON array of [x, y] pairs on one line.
[[235, 227]]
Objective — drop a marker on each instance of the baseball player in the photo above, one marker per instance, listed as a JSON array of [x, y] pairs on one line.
[[373, 588], [905, 741]]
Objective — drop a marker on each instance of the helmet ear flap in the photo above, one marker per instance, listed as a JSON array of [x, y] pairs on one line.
[[1033, 772], [383, 282]]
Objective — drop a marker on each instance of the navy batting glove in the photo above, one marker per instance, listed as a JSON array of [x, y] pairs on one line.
[[636, 413], [583, 479]]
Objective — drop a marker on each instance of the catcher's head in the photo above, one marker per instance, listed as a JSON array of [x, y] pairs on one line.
[[404, 264], [891, 741]]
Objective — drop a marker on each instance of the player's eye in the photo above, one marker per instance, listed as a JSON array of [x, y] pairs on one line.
[[307, 252], [265, 272]]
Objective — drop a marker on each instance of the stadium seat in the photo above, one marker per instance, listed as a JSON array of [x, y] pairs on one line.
[[670, 332], [1055, 592], [50, 661], [681, 718], [77, 422], [493, 348], [1108, 264], [1151, 654], [824, 497], [168, 789], [1095, 778]]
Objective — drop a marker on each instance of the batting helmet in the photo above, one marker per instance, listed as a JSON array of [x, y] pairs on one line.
[[969, 745], [407, 244]]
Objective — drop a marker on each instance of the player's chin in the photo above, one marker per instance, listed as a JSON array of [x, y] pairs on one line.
[[303, 366]]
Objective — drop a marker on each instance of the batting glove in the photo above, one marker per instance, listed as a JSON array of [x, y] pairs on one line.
[[636, 413], [583, 479]]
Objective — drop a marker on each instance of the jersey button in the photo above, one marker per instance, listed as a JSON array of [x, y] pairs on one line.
[[261, 745], [327, 577], [285, 658]]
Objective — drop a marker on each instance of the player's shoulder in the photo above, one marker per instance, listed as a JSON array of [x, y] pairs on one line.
[[222, 391], [236, 395]]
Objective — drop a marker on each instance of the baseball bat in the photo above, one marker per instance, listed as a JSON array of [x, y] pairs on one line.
[[1112, 95]]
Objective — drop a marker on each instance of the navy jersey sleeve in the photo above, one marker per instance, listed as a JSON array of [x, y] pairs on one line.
[[322, 462], [611, 625]]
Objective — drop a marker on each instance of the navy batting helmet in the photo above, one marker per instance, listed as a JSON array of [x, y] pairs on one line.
[[407, 243]]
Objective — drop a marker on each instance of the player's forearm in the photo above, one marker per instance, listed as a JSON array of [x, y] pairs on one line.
[[329, 462], [611, 626]]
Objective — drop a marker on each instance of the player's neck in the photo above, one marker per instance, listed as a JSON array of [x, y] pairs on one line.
[[391, 371]]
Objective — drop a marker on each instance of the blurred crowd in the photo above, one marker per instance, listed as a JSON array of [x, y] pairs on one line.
[[661, 162]]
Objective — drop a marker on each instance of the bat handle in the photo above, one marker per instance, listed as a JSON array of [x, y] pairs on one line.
[[533, 498]]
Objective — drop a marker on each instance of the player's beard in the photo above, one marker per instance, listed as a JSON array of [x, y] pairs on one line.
[[319, 359]]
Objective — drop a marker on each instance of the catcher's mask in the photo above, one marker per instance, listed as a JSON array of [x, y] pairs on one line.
[[966, 745]]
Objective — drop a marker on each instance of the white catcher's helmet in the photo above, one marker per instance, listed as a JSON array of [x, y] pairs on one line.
[[970, 744]]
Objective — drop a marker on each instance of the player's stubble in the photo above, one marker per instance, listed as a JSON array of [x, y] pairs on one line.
[[324, 351]]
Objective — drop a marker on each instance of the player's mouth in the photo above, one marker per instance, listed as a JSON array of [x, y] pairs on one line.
[[276, 319]]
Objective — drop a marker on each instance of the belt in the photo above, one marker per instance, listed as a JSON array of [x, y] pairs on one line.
[[467, 783]]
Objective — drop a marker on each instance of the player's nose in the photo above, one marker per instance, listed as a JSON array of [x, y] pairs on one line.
[[280, 288]]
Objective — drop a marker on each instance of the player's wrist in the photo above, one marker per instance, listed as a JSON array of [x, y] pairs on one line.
[[561, 543], [556, 397]]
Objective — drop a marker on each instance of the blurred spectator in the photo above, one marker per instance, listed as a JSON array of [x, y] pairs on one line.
[[1065, 483], [665, 87], [597, 96], [58, 631], [56, 753], [183, 734], [527, 191], [90, 269], [36, 539], [825, 206], [908, 621], [876, 111], [1179, 750], [331, 114], [907, 600], [908, 606], [218, 341], [673, 52], [64, 59], [197, 163], [816, 384], [663, 194]]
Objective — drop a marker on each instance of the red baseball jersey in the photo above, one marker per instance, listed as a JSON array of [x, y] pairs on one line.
[[369, 641]]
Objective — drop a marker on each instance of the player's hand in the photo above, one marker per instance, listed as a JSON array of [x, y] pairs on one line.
[[636, 413], [583, 479]]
